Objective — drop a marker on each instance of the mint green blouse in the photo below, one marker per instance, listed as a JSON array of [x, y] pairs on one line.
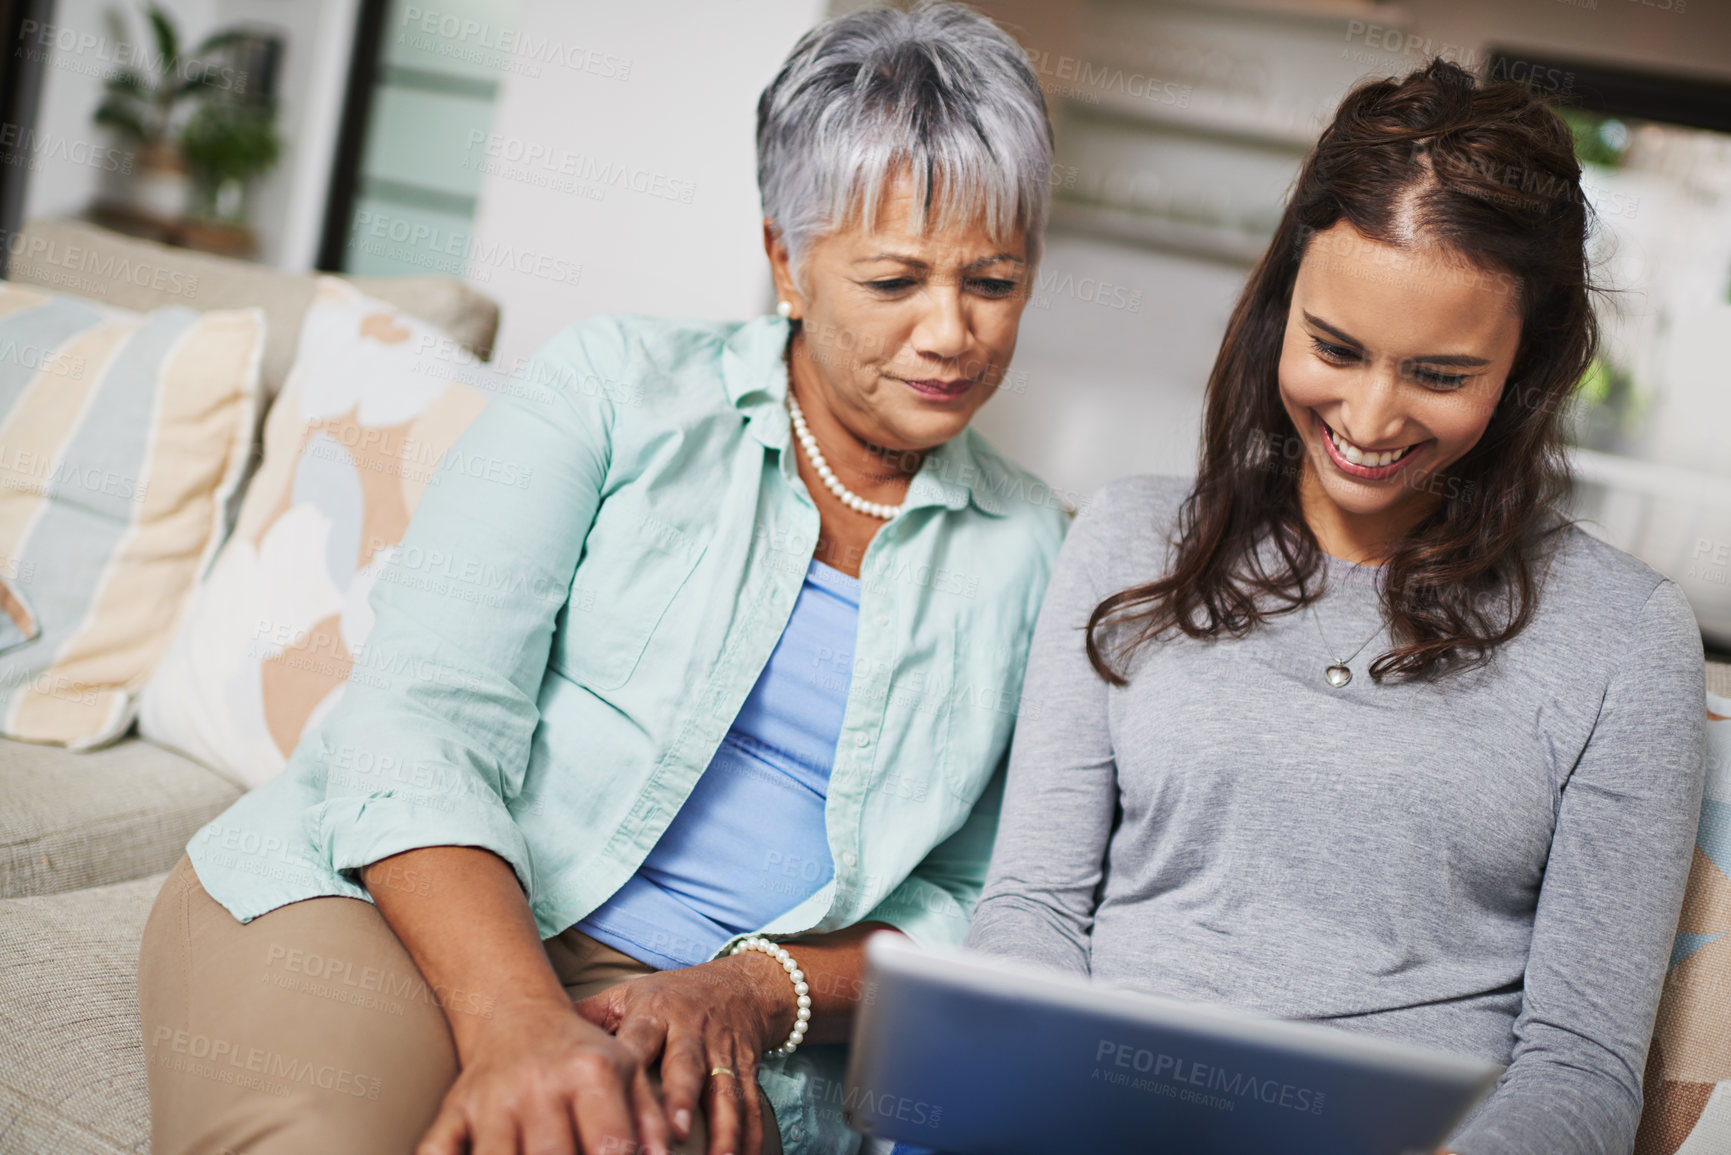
[[584, 598]]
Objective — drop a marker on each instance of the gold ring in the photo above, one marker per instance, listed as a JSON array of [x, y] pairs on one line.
[[714, 1071]]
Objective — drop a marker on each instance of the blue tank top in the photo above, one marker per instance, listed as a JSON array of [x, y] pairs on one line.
[[750, 842]]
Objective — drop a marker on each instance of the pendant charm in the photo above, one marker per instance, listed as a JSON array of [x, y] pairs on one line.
[[1339, 675]]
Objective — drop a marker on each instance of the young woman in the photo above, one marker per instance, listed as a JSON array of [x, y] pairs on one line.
[[1473, 835]]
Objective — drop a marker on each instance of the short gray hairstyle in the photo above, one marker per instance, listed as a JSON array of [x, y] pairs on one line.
[[940, 89]]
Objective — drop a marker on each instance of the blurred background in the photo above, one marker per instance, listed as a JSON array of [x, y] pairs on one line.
[[574, 158]]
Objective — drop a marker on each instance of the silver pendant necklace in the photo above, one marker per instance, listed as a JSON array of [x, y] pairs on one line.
[[1338, 674]]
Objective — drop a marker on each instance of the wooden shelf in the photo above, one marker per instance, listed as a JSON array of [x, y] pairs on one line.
[[1325, 11], [1222, 124], [224, 240]]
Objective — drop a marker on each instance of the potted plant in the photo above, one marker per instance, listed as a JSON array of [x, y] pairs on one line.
[[139, 103], [226, 143]]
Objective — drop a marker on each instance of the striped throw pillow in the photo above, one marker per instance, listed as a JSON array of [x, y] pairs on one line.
[[124, 436]]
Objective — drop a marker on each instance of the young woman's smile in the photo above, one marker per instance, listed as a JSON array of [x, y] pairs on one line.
[[1356, 461]]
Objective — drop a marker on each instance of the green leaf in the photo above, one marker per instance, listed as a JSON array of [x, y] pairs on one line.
[[193, 82], [123, 120], [167, 40], [128, 82], [1595, 384], [119, 27], [218, 40], [223, 140]]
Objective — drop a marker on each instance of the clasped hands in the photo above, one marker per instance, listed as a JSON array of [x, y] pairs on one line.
[[541, 1073], [725, 1014]]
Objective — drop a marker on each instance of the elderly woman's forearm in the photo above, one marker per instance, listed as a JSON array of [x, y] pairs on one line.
[[462, 916]]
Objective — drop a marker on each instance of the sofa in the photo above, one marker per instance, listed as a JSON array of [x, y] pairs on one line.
[[87, 837]]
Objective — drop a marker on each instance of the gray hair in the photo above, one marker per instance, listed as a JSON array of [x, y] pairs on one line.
[[939, 88]]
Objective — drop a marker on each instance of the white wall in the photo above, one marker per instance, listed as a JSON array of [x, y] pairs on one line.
[[288, 210], [684, 113], [1110, 364]]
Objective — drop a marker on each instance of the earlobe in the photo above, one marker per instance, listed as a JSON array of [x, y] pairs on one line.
[[780, 271]]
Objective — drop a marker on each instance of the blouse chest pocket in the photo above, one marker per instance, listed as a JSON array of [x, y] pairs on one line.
[[634, 565]]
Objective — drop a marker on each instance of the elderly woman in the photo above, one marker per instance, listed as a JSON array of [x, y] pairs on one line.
[[728, 688]]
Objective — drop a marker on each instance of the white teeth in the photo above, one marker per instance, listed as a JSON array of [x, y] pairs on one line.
[[1358, 457]]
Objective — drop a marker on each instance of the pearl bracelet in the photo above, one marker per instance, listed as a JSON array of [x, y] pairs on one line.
[[801, 992]]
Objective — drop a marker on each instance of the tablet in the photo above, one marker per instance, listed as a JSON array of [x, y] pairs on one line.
[[977, 1055]]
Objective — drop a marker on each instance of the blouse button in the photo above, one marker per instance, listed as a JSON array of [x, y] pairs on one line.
[[849, 858], [860, 739]]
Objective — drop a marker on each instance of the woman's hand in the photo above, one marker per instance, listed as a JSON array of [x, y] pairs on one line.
[[539, 1073], [722, 1013]]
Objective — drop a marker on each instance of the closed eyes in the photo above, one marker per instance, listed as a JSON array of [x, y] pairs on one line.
[[1334, 354], [994, 287]]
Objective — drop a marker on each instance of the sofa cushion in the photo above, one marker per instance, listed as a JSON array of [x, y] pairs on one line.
[[126, 436], [83, 259], [359, 433], [72, 1075], [89, 261], [1687, 1085], [70, 820]]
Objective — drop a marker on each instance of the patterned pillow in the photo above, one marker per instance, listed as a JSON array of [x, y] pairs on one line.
[[1688, 1079], [124, 437], [357, 434]]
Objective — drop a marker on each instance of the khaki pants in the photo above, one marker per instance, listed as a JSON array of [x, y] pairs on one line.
[[310, 1029]]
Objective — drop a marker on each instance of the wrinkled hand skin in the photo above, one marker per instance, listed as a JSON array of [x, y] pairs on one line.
[[539, 1073], [722, 1013]]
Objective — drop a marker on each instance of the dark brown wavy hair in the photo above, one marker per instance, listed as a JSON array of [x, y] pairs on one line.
[[1487, 172]]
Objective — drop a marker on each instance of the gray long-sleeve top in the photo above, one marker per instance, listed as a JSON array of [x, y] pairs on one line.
[[1492, 865]]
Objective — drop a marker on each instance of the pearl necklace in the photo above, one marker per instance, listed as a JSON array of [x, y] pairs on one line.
[[833, 483]]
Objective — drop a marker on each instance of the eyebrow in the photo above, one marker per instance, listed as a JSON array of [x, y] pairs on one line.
[[1459, 360], [915, 262]]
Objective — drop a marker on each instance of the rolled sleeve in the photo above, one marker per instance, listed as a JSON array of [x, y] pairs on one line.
[[356, 832], [431, 738], [1608, 907]]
